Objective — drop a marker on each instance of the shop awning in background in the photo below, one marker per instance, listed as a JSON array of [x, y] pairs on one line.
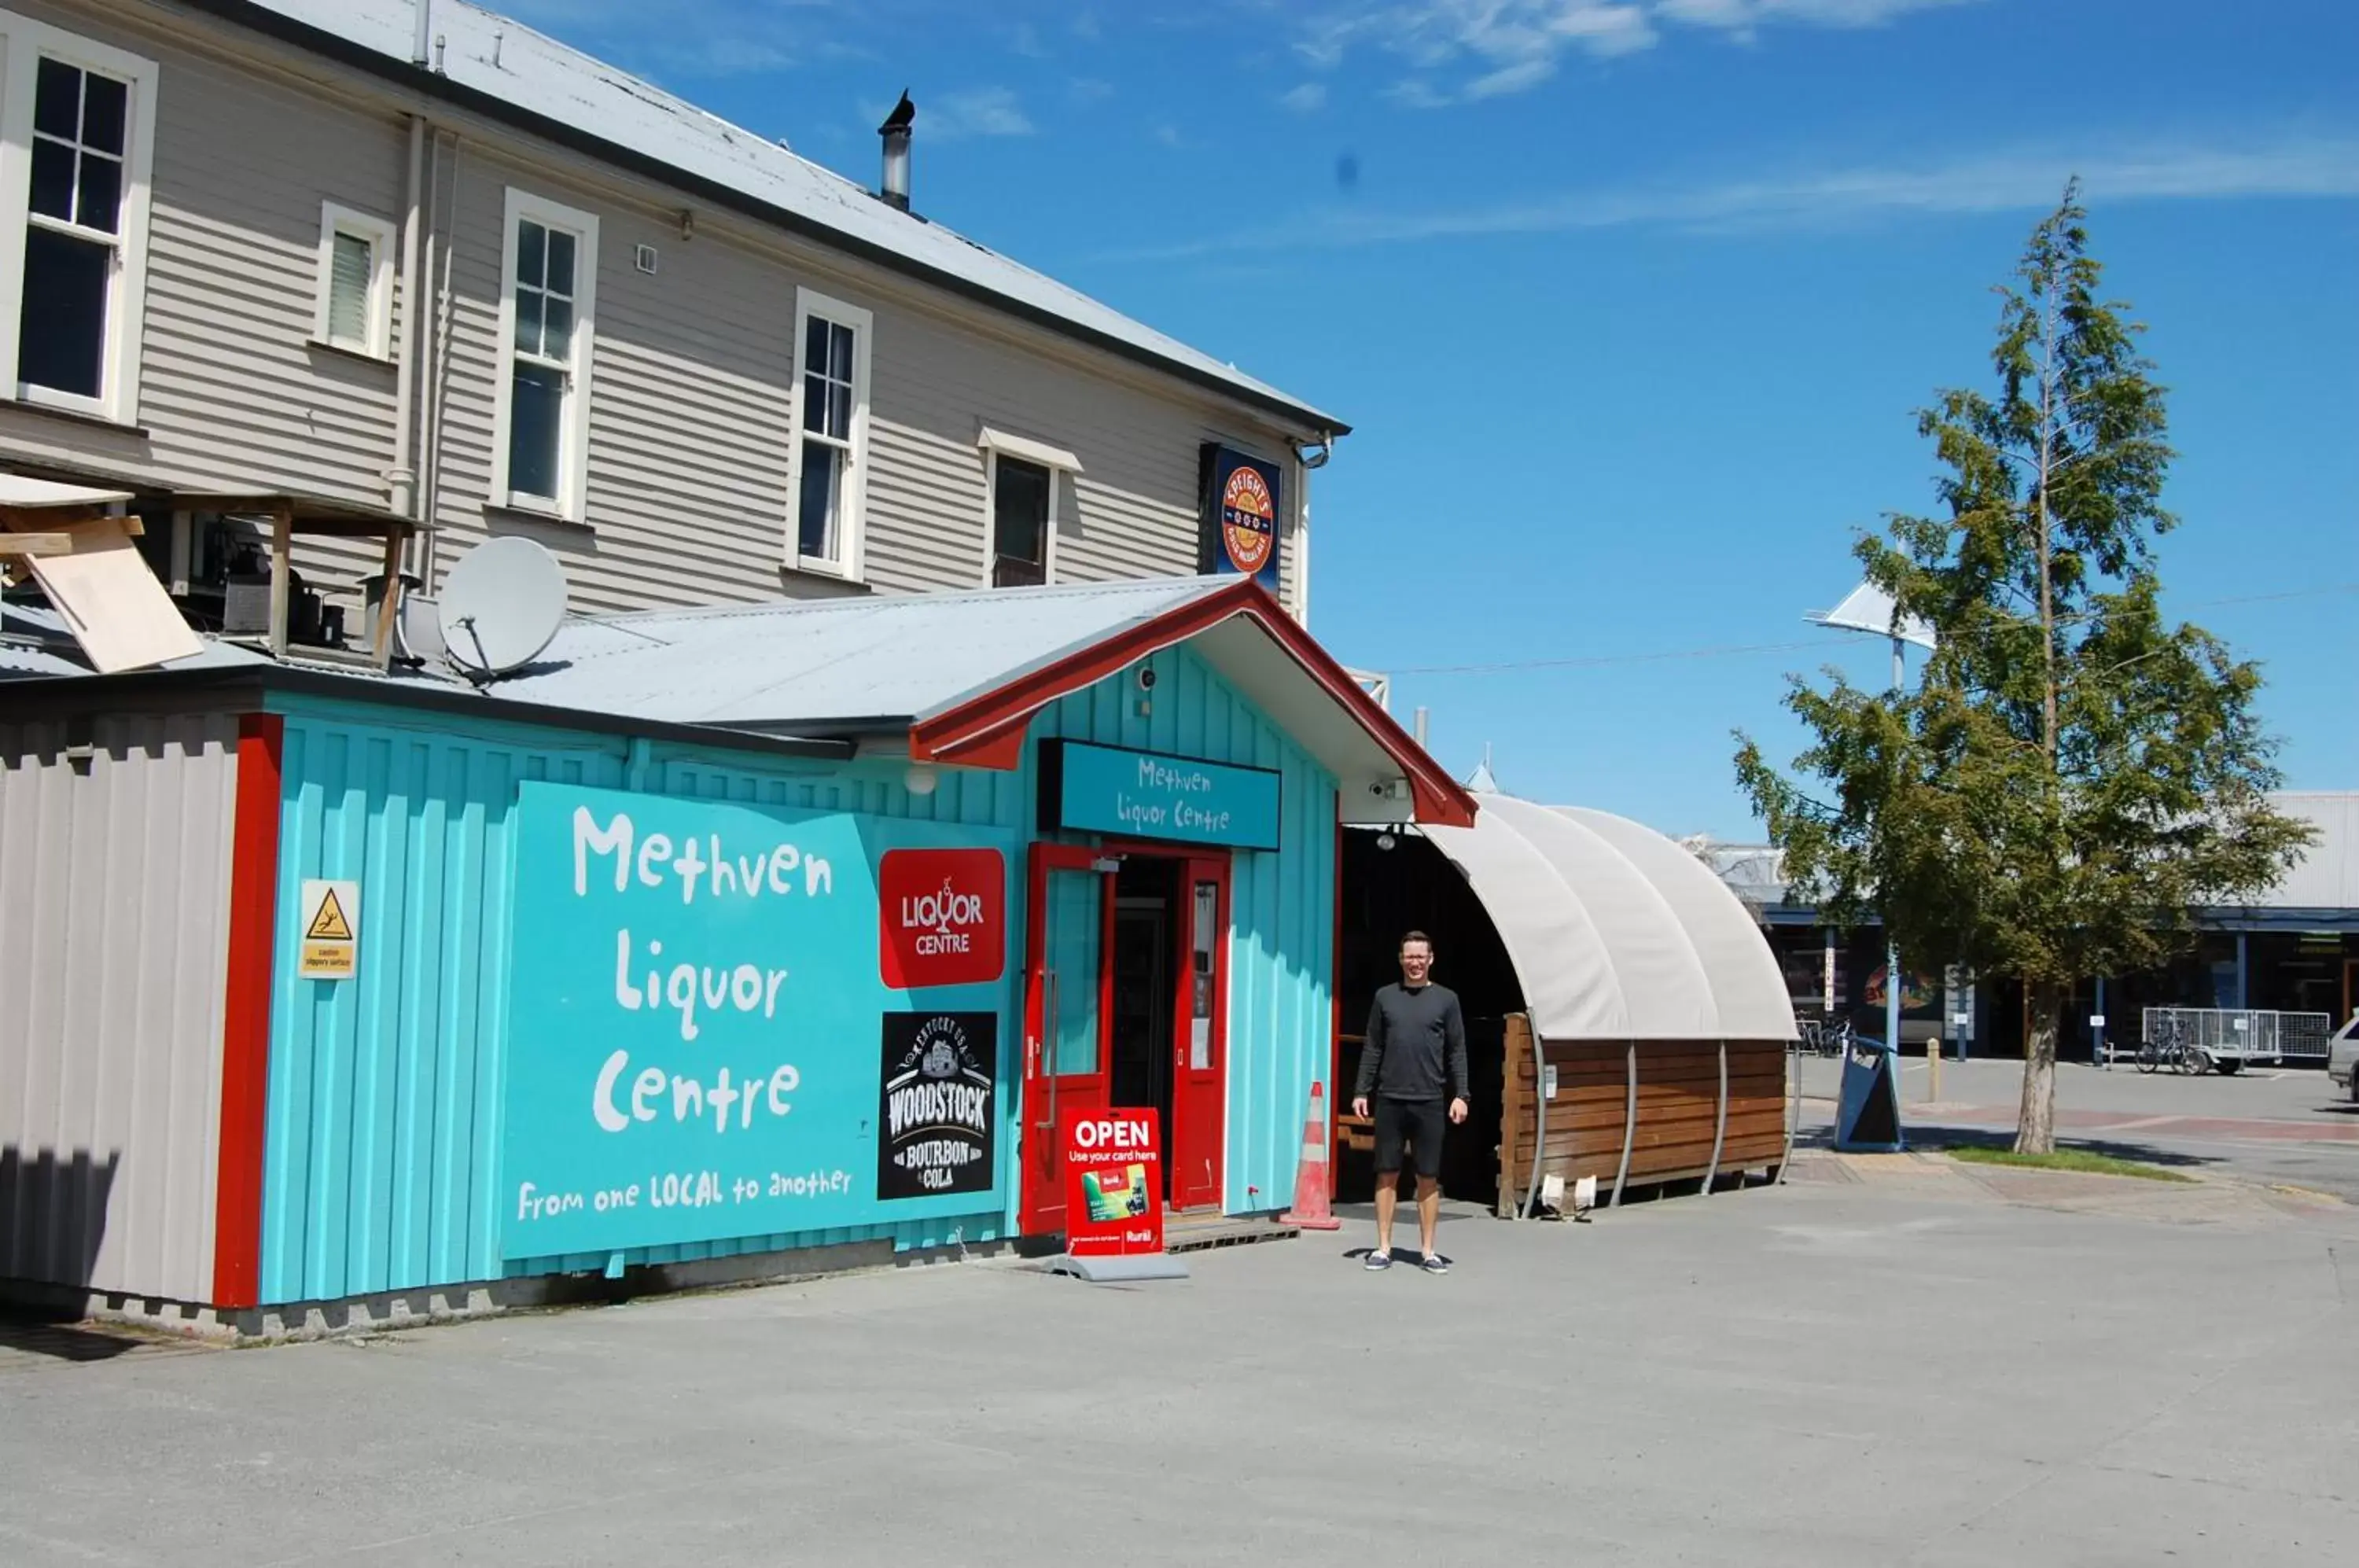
[[1616, 932]]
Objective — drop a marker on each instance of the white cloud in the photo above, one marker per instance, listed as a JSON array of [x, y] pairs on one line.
[[1512, 46], [1744, 16], [1512, 78], [1091, 90], [977, 111], [2295, 167], [1307, 99], [1415, 95]]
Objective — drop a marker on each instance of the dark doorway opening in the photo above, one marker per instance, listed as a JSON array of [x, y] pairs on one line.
[[1145, 939], [1413, 886]]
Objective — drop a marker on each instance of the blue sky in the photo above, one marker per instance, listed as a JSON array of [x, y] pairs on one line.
[[1631, 301]]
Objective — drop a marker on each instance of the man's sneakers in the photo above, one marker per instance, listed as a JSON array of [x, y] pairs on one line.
[[1431, 1262]]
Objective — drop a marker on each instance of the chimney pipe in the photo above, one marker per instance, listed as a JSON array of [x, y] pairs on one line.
[[895, 132], [1419, 726]]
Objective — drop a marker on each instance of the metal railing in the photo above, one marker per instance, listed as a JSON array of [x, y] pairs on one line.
[[2242, 1034]]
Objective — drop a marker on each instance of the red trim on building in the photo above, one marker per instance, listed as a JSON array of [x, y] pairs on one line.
[[245, 1013], [988, 731], [1335, 1019]]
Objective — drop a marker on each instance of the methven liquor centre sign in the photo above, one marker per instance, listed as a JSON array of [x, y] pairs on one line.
[[1145, 794], [721, 1026]]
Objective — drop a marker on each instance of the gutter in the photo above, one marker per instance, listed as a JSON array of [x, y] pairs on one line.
[[402, 73]]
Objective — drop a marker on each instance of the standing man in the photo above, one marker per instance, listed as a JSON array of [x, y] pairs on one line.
[[1416, 1050]]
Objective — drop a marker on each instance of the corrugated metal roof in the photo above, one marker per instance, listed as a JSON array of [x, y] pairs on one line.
[[2327, 877], [505, 60], [34, 642], [829, 662]]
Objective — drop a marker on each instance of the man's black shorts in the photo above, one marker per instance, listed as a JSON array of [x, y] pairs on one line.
[[1420, 1122]]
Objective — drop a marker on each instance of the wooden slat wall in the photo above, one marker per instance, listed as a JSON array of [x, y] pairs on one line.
[[1678, 1085]]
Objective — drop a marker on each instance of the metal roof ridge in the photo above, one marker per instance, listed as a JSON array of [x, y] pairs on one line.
[[1117, 587]]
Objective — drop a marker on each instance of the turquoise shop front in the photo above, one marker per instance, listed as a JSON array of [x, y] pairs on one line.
[[630, 997]]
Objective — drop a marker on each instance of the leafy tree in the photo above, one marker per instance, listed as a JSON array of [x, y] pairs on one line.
[[2075, 773]]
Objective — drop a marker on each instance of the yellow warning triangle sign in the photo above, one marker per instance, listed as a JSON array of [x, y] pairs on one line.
[[329, 924]]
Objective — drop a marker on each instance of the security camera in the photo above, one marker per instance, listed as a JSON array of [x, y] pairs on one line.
[[1380, 789], [1147, 677]]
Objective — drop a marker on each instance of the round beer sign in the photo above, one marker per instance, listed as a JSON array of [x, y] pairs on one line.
[[1248, 520]]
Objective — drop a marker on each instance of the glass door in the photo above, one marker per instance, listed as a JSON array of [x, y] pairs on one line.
[[1199, 1054], [1068, 996]]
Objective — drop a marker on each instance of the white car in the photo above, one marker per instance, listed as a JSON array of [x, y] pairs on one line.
[[2343, 1057]]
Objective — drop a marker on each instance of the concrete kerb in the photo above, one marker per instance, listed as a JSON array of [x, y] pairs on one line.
[[393, 1312]]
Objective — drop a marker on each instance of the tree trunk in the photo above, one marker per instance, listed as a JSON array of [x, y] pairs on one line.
[[2035, 1123]]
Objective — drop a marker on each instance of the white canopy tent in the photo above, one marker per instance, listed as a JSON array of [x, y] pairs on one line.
[[1615, 932]]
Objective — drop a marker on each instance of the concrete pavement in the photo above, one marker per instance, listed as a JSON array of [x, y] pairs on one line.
[[2267, 1124], [1895, 1361]]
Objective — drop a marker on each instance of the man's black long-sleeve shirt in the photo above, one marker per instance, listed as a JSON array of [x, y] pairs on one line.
[[1417, 1045]]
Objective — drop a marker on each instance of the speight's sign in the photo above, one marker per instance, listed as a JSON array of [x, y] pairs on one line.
[[1243, 500]]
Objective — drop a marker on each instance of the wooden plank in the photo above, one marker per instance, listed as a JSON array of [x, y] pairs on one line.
[[35, 544], [111, 601], [389, 604], [282, 571], [1518, 1099]]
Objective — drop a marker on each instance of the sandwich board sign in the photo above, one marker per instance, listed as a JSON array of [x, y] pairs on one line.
[[1114, 1197], [331, 930]]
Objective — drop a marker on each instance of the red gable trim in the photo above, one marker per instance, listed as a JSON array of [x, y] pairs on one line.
[[988, 731]]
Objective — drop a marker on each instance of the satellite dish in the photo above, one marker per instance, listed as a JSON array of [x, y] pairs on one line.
[[501, 605]]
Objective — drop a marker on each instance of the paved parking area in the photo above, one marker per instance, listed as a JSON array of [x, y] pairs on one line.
[[2285, 1124], [1892, 1361]]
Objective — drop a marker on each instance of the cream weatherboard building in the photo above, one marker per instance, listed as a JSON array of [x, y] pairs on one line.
[[414, 261]]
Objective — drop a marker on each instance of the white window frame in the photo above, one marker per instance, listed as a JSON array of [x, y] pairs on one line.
[[852, 505], [23, 42], [570, 503], [379, 233], [1062, 465]]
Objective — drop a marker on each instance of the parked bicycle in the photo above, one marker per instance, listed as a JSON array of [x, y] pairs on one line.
[[2169, 1048]]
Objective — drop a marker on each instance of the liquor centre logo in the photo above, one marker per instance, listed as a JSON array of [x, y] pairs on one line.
[[937, 1115], [943, 916]]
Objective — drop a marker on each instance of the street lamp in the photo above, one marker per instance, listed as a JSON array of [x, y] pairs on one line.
[[1868, 608]]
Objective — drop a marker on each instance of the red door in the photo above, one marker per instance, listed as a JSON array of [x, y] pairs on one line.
[[1200, 1042], [1069, 995]]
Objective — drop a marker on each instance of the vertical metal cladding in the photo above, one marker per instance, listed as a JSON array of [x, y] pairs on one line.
[[384, 1117], [385, 1111], [115, 875], [1281, 952]]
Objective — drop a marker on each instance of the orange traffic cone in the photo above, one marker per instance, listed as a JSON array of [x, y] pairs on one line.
[[1309, 1209]]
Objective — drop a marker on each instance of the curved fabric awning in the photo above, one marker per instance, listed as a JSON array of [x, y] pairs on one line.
[[1615, 931]]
